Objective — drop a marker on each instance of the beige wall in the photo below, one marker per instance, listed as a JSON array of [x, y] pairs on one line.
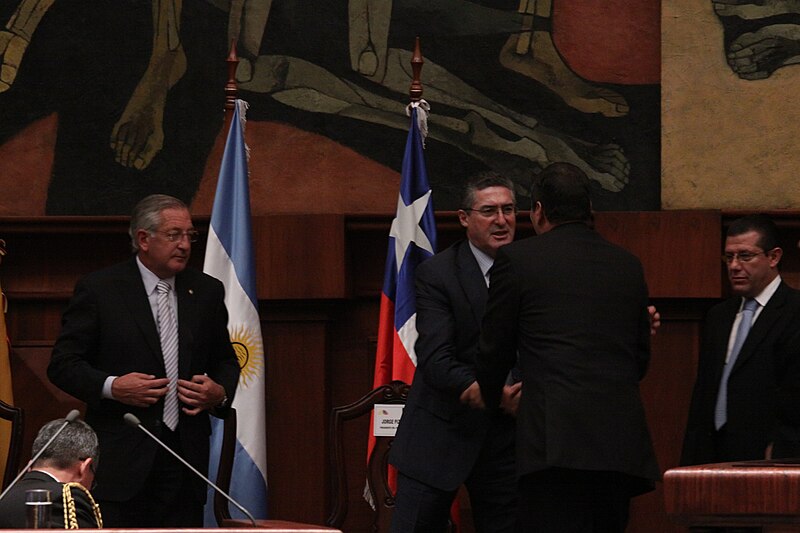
[[726, 142]]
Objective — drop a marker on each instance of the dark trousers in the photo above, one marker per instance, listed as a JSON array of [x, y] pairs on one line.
[[560, 500], [492, 488], [167, 500]]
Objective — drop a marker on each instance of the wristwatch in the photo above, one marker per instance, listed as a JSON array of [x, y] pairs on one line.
[[223, 403]]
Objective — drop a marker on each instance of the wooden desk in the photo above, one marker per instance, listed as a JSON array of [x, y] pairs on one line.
[[236, 526], [747, 493], [275, 526]]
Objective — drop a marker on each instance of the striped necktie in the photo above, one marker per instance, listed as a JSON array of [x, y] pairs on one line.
[[168, 331], [721, 410]]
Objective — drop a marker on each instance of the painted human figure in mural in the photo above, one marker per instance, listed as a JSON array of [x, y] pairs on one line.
[[495, 134], [485, 128], [138, 135], [761, 36], [136, 108], [533, 53]]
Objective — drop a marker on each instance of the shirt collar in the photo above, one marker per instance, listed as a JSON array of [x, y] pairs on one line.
[[485, 261], [46, 473], [149, 279], [765, 295]]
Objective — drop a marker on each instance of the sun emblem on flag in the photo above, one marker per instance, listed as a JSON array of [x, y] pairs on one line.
[[249, 351]]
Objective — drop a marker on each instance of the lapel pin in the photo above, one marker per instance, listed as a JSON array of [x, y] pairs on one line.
[[191, 291]]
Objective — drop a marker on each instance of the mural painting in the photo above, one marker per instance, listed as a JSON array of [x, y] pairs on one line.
[[103, 103], [728, 118]]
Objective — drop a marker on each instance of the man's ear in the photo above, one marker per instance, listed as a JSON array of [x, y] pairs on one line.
[[84, 470], [537, 214], [774, 256], [142, 239], [462, 218]]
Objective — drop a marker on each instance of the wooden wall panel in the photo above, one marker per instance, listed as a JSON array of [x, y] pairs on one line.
[[297, 407], [299, 257], [679, 249]]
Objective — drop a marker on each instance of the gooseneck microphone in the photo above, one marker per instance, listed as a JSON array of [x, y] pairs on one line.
[[133, 421], [71, 417]]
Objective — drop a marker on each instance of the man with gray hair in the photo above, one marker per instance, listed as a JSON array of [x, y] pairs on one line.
[[149, 337], [65, 468]]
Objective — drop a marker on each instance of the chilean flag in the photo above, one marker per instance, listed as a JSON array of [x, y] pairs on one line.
[[412, 239]]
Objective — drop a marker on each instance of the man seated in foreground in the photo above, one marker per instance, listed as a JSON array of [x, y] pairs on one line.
[[66, 469]]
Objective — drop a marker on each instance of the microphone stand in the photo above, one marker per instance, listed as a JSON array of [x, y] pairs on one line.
[[132, 420]]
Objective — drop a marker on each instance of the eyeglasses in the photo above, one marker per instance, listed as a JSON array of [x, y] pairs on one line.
[[488, 211], [743, 257], [174, 236]]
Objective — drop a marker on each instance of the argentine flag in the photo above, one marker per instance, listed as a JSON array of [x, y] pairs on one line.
[[229, 258]]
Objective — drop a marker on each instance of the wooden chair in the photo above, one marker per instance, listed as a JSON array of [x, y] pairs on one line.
[[395, 392], [14, 415], [225, 468]]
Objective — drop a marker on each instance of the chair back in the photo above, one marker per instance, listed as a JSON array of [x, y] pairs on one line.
[[377, 480], [14, 415], [225, 468]]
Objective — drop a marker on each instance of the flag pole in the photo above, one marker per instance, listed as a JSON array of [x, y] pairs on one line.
[[415, 90], [231, 87]]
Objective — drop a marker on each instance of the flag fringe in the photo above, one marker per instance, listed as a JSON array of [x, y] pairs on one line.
[[423, 110]]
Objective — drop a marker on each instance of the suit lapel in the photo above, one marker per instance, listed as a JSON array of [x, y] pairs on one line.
[[187, 310], [135, 298], [768, 317], [472, 281]]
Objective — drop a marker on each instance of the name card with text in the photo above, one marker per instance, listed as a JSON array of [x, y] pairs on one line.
[[386, 418]]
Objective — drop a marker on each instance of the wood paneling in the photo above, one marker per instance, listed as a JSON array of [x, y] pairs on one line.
[[679, 249]]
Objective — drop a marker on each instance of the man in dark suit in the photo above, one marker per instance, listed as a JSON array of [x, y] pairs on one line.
[[66, 469], [745, 401], [573, 308], [149, 336], [441, 443]]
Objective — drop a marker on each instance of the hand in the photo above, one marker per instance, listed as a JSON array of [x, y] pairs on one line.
[[199, 394], [509, 401], [138, 390], [655, 319], [472, 396]]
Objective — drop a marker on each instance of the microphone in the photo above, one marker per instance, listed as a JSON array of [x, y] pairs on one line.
[[133, 421], [71, 417]]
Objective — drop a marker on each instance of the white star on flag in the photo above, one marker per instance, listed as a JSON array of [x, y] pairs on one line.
[[406, 229]]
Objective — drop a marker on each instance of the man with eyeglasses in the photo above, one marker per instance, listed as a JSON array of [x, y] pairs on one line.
[[66, 469], [149, 336], [745, 401], [441, 443]]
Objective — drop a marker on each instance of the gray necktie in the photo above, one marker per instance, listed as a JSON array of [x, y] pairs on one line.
[[168, 331], [721, 411]]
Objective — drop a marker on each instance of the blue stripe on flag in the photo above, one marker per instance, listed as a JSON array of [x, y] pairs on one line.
[[229, 257]]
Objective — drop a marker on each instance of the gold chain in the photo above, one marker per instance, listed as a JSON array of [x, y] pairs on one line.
[[70, 515]]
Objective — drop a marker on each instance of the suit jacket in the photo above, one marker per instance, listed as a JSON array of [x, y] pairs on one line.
[[763, 387], [12, 506], [575, 306], [439, 439], [109, 329]]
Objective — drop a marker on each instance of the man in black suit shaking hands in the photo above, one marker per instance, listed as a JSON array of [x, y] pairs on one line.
[[574, 308]]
